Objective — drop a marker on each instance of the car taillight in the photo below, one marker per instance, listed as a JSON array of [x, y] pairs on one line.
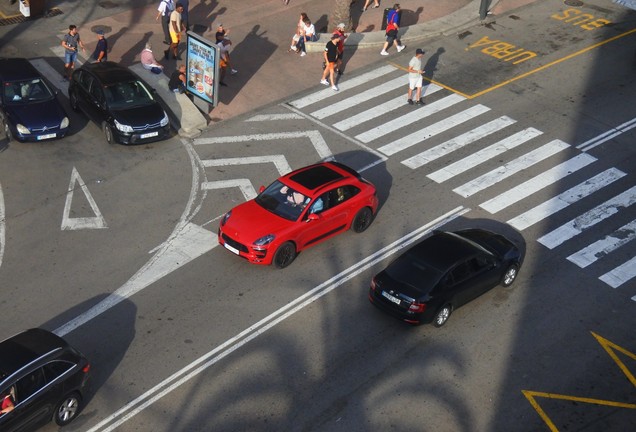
[[373, 284], [86, 368], [417, 307]]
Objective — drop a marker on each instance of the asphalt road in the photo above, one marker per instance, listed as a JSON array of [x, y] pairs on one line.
[[185, 336]]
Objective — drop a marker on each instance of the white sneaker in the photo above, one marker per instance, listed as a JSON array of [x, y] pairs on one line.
[[383, 52], [324, 82], [400, 48], [303, 54], [292, 47], [334, 88], [233, 71]]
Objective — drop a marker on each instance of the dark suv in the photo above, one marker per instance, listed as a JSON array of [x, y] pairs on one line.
[[44, 377], [120, 102]]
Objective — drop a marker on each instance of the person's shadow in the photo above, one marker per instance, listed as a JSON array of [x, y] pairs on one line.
[[431, 64]]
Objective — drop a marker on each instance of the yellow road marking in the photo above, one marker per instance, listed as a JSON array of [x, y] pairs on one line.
[[608, 346]]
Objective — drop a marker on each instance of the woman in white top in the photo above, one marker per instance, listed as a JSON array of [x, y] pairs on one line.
[[308, 34], [299, 31]]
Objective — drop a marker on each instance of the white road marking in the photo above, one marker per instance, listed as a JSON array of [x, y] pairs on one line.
[[457, 143], [537, 183], [274, 117], [358, 98], [566, 198], [484, 181], [279, 161], [379, 110], [208, 360], [314, 137], [483, 155], [2, 225], [432, 130], [606, 136], [245, 185], [345, 85], [604, 246], [411, 117], [72, 223], [621, 274], [588, 219]]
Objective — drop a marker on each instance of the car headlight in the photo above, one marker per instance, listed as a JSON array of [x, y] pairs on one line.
[[23, 130], [225, 217], [265, 240], [64, 123], [164, 120], [123, 127]]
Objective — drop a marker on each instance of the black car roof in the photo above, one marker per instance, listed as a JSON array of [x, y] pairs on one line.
[[109, 73], [13, 69], [23, 348], [443, 250]]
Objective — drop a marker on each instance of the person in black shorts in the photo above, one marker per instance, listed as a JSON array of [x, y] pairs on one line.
[[331, 57]]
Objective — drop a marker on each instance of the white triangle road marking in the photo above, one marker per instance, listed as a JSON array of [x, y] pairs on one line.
[[71, 223]]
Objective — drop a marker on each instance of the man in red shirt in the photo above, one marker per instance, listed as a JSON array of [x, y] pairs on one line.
[[339, 31]]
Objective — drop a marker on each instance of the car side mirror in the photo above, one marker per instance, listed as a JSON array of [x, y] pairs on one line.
[[313, 217], [261, 189]]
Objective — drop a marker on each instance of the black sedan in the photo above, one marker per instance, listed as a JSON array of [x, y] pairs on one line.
[[29, 109], [123, 105], [42, 378], [444, 272]]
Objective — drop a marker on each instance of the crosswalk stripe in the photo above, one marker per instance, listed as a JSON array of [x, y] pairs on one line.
[[537, 183], [604, 246], [345, 85], [458, 142], [621, 274], [484, 155], [52, 76], [359, 98], [432, 130], [376, 111], [566, 198], [588, 219], [407, 119], [484, 181]]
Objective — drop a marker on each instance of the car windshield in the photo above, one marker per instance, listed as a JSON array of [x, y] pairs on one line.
[[414, 272], [21, 92], [129, 94], [283, 201]]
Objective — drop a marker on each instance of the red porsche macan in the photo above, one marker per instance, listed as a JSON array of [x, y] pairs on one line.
[[297, 211]]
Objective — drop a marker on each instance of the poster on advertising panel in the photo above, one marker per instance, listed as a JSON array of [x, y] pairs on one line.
[[202, 68]]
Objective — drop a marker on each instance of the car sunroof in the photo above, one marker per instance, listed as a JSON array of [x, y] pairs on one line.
[[315, 177]]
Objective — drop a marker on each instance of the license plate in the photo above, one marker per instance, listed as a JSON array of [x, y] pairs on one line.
[[149, 135], [231, 249], [47, 136], [391, 298]]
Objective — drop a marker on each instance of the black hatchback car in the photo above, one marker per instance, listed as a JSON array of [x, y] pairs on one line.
[[29, 109], [121, 103], [43, 378], [444, 272]]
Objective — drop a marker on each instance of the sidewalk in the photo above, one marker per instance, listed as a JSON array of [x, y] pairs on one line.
[[261, 32]]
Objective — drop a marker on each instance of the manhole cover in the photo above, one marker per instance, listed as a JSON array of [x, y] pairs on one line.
[[575, 3], [108, 4], [105, 29]]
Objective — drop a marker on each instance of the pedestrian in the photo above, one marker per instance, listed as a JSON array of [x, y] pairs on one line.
[[176, 27], [299, 31], [392, 29], [101, 50], [415, 78], [185, 15], [164, 10], [225, 45], [224, 60], [177, 82], [331, 57], [221, 33], [376, 4], [339, 31], [148, 60], [308, 35], [70, 42]]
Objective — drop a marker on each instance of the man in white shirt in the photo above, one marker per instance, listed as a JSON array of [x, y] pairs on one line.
[[164, 10]]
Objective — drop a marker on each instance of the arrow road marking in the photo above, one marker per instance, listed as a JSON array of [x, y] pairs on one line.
[[69, 223]]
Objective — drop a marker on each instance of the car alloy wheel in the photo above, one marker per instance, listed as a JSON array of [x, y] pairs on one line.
[[67, 409], [7, 131], [442, 316], [510, 275], [363, 219], [285, 254], [108, 133]]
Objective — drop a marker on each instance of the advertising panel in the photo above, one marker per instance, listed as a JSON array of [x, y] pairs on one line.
[[202, 68]]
